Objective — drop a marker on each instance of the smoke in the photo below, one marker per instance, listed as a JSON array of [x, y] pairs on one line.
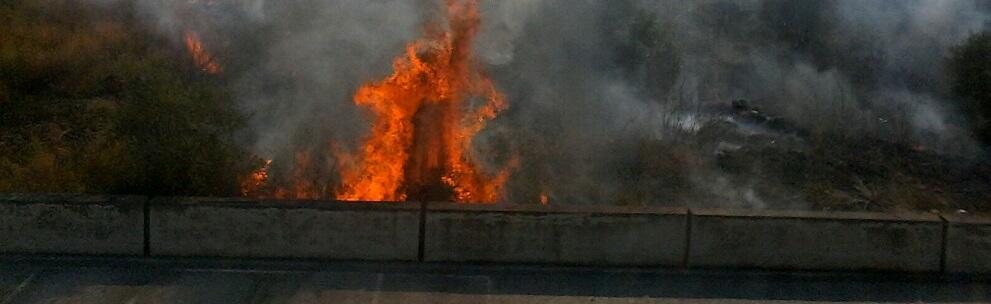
[[596, 86], [854, 68], [854, 62]]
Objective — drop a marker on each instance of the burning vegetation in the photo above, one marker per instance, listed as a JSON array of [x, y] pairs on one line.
[[762, 104], [201, 57], [426, 114], [419, 146]]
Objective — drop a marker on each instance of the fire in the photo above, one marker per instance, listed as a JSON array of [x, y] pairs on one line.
[[426, 114], [201, 57], [256, 181], [420, 140]]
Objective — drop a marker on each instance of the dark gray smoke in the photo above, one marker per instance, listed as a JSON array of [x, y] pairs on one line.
[[609, 99]]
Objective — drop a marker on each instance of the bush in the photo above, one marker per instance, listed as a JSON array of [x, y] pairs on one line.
[[970, 68], [92, 102]]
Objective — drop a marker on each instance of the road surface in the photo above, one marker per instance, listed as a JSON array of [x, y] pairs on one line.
[[138, 280]]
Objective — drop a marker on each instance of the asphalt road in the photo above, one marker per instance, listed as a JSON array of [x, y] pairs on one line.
[[137, 280]]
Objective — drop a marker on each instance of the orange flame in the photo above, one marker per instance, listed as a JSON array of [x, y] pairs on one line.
[[423, 127], [201, 57]]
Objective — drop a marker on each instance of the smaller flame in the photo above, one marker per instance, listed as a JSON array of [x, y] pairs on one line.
[[544, 199], [256, 180], [201, 57]]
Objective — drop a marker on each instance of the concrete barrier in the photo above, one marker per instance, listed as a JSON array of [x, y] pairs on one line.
[[554, 235], [815, 240], [291, 229], [132, 225], [71, 224], [968, 244]]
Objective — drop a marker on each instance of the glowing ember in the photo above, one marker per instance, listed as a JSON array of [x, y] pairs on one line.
[[423, 128], [544, 199], [201, 57]]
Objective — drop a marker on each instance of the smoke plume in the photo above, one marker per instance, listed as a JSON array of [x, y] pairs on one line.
[[609, 101]]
